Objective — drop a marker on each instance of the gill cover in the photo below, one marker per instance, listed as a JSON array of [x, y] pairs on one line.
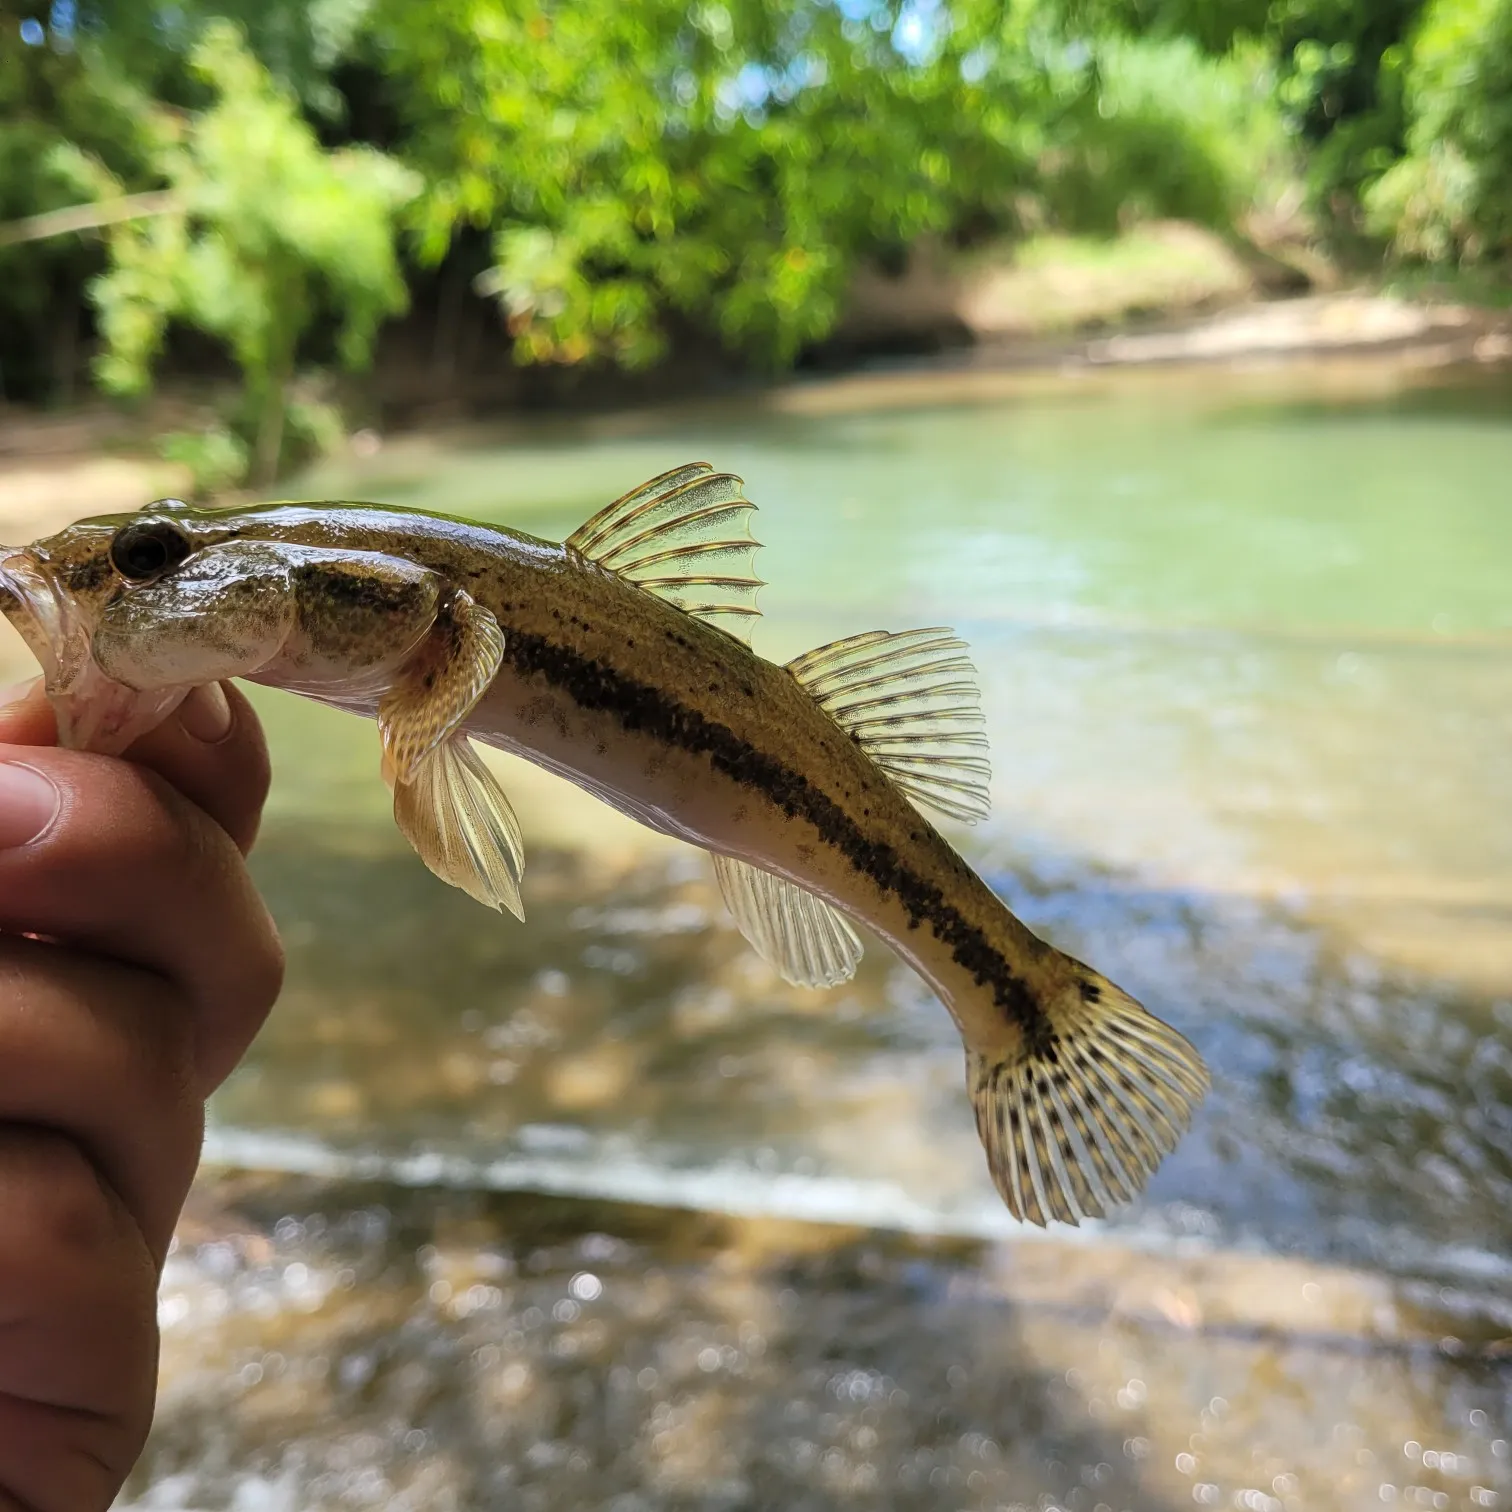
[[225, 612]]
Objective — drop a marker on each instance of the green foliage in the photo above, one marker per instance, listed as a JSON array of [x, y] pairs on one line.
[[297, 41], [655, 174], [1173, 133], [50, 99], [271, 232], [721, 164], [1340, 83], [1451, 196], [1335, 68], [1213, 25], [216, 457]]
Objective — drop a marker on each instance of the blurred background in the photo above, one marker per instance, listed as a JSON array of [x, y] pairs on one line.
[[1161, 347]]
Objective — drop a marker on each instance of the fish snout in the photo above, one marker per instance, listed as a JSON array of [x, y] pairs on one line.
[[30, 598]]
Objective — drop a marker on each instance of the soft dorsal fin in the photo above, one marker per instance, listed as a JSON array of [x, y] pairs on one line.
[[686, 537], [799, 935], [911, 701]]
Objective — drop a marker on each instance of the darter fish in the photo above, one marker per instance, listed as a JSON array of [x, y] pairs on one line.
[[620, 659]]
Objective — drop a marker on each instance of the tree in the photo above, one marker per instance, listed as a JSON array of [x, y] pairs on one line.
[[1451, 196], [640, 161], [1335, 68], [270, 232], [51, 97], [1172, 132], [151, 42]]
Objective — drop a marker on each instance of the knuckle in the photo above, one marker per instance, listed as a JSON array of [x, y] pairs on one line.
[[55, 1195], [265, 973], [145, 1025], [170, 836], [236, 998]]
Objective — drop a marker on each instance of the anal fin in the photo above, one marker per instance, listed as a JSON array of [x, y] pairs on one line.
[[1080, 1126], [462, 826], [799, 935]]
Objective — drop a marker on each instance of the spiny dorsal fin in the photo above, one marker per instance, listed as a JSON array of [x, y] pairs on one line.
[[910, 700], [800, 936], [1080, 1126], [686, 537], [456, 816]]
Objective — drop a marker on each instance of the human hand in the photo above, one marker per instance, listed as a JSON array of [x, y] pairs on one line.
[[136, 964]]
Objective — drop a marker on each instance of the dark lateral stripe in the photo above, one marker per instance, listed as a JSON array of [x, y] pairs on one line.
[[646, 710]]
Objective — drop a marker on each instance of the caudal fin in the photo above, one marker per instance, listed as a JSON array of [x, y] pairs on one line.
[[1080, 1126]]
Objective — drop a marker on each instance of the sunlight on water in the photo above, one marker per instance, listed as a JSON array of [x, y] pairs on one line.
[[366, 1348]]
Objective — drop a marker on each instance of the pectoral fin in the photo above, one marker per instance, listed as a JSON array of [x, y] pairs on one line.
[[440, 684], [447, 804], [455, 814], [798, 935]]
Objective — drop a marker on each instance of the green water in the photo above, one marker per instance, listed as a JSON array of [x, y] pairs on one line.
[[1246, 656]]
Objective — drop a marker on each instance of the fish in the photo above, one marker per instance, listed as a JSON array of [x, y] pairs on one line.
[[622, 659]]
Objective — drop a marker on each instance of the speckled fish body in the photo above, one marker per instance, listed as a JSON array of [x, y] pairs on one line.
[[804, 781]]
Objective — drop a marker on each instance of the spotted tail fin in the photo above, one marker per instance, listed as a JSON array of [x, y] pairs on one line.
[[1079, 1125]]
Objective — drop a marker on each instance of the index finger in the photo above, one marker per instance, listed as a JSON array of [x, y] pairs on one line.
[[211, 749], [26, 717]]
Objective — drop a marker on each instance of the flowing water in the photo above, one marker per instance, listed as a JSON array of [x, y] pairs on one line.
[[596, 1212]]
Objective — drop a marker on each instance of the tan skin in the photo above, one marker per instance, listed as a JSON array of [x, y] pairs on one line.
[[158, 966]]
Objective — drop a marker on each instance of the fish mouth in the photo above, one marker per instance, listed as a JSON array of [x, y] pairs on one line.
[[43, 616], [94, 712]]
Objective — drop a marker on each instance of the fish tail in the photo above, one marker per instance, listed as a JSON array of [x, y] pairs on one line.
[[1077, 1118]]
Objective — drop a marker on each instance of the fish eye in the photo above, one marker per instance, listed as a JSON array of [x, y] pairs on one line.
[[143, 551]]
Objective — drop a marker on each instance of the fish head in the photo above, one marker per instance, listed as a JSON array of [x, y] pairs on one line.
[[127, 613], [54, 592], [108, 607]]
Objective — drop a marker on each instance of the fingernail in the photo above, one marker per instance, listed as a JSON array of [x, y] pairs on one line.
[[28, 805], [17, 692], [206, 714]]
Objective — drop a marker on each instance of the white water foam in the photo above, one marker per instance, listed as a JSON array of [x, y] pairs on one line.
[[623, 1176], [566, 1163]]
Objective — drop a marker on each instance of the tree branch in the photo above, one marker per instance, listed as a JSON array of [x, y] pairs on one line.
[[89, 217]]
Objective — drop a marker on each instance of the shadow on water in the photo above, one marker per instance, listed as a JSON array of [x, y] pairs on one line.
[[361, 1346], [1357, 1116], [491, 1352], [1359, 1113]]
